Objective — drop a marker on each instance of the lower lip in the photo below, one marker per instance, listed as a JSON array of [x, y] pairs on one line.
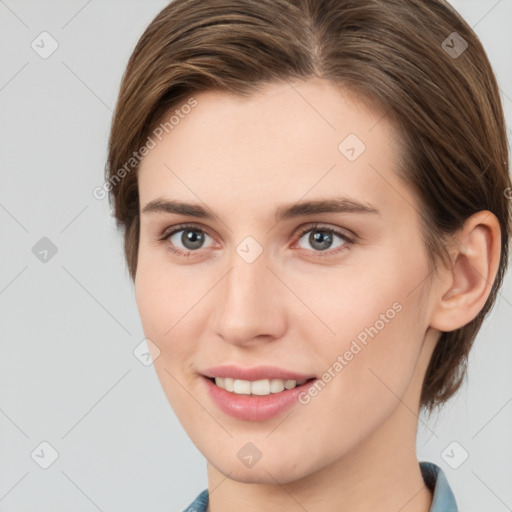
[[255, 407]]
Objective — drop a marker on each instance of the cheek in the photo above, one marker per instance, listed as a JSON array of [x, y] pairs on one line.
[[370, 362], [378, 321], [165, 301], [378, 294], [165, 293], [166, 307]]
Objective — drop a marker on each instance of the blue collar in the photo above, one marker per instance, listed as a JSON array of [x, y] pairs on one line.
[[434, 477]]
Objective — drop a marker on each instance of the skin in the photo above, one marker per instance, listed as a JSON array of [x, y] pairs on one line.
[[352, 447]]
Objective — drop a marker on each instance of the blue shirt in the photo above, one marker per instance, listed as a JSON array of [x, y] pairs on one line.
[[434, 477]]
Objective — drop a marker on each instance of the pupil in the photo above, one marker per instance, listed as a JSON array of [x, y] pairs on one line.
[[192, 239], [322, 238]]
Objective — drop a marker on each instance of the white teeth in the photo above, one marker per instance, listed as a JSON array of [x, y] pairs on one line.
[[242, 387], [258, 387], [290, 384], [276, 385], [228, 384]]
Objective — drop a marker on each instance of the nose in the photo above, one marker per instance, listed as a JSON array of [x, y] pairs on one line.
[[251, 306]]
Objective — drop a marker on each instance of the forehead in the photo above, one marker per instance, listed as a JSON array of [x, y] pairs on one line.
[[286, 141]]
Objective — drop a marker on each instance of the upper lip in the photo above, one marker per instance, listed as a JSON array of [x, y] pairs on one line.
[[255, 373]]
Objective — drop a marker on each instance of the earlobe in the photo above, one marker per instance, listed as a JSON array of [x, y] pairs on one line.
[[465, 287]]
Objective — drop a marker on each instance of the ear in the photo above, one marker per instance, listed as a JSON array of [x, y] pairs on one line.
[[465, 286]]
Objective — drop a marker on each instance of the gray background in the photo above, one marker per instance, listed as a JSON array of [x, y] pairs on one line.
[[68, 326]]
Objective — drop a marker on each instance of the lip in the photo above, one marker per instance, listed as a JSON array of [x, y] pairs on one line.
[[254, 407], [256, 373]]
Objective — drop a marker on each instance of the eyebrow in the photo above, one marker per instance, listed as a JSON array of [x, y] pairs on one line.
[[283, 212]]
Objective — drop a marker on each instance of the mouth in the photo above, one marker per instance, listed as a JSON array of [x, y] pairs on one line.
[[262, 387], [255, 393], [256, 400]]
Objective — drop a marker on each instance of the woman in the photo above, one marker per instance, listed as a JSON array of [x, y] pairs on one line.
[[313, 195]]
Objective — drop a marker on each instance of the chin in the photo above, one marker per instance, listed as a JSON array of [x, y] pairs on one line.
[[270, 471]]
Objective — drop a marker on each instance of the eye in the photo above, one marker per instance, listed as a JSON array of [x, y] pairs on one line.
[[323, 239], [185, 239]]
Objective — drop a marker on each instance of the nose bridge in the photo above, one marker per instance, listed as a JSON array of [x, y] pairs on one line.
[[249, 304]]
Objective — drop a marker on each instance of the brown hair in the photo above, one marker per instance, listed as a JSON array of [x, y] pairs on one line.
[[402, 55]]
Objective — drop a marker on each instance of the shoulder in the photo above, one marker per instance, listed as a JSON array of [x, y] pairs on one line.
[[199, 504]]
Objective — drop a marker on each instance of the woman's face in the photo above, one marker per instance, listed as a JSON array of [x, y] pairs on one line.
[[336, 292]]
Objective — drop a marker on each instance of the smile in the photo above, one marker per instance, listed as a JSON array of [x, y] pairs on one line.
[[257, 400], [261, 387]]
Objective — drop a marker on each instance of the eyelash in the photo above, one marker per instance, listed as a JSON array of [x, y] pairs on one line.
[[314, 227]]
